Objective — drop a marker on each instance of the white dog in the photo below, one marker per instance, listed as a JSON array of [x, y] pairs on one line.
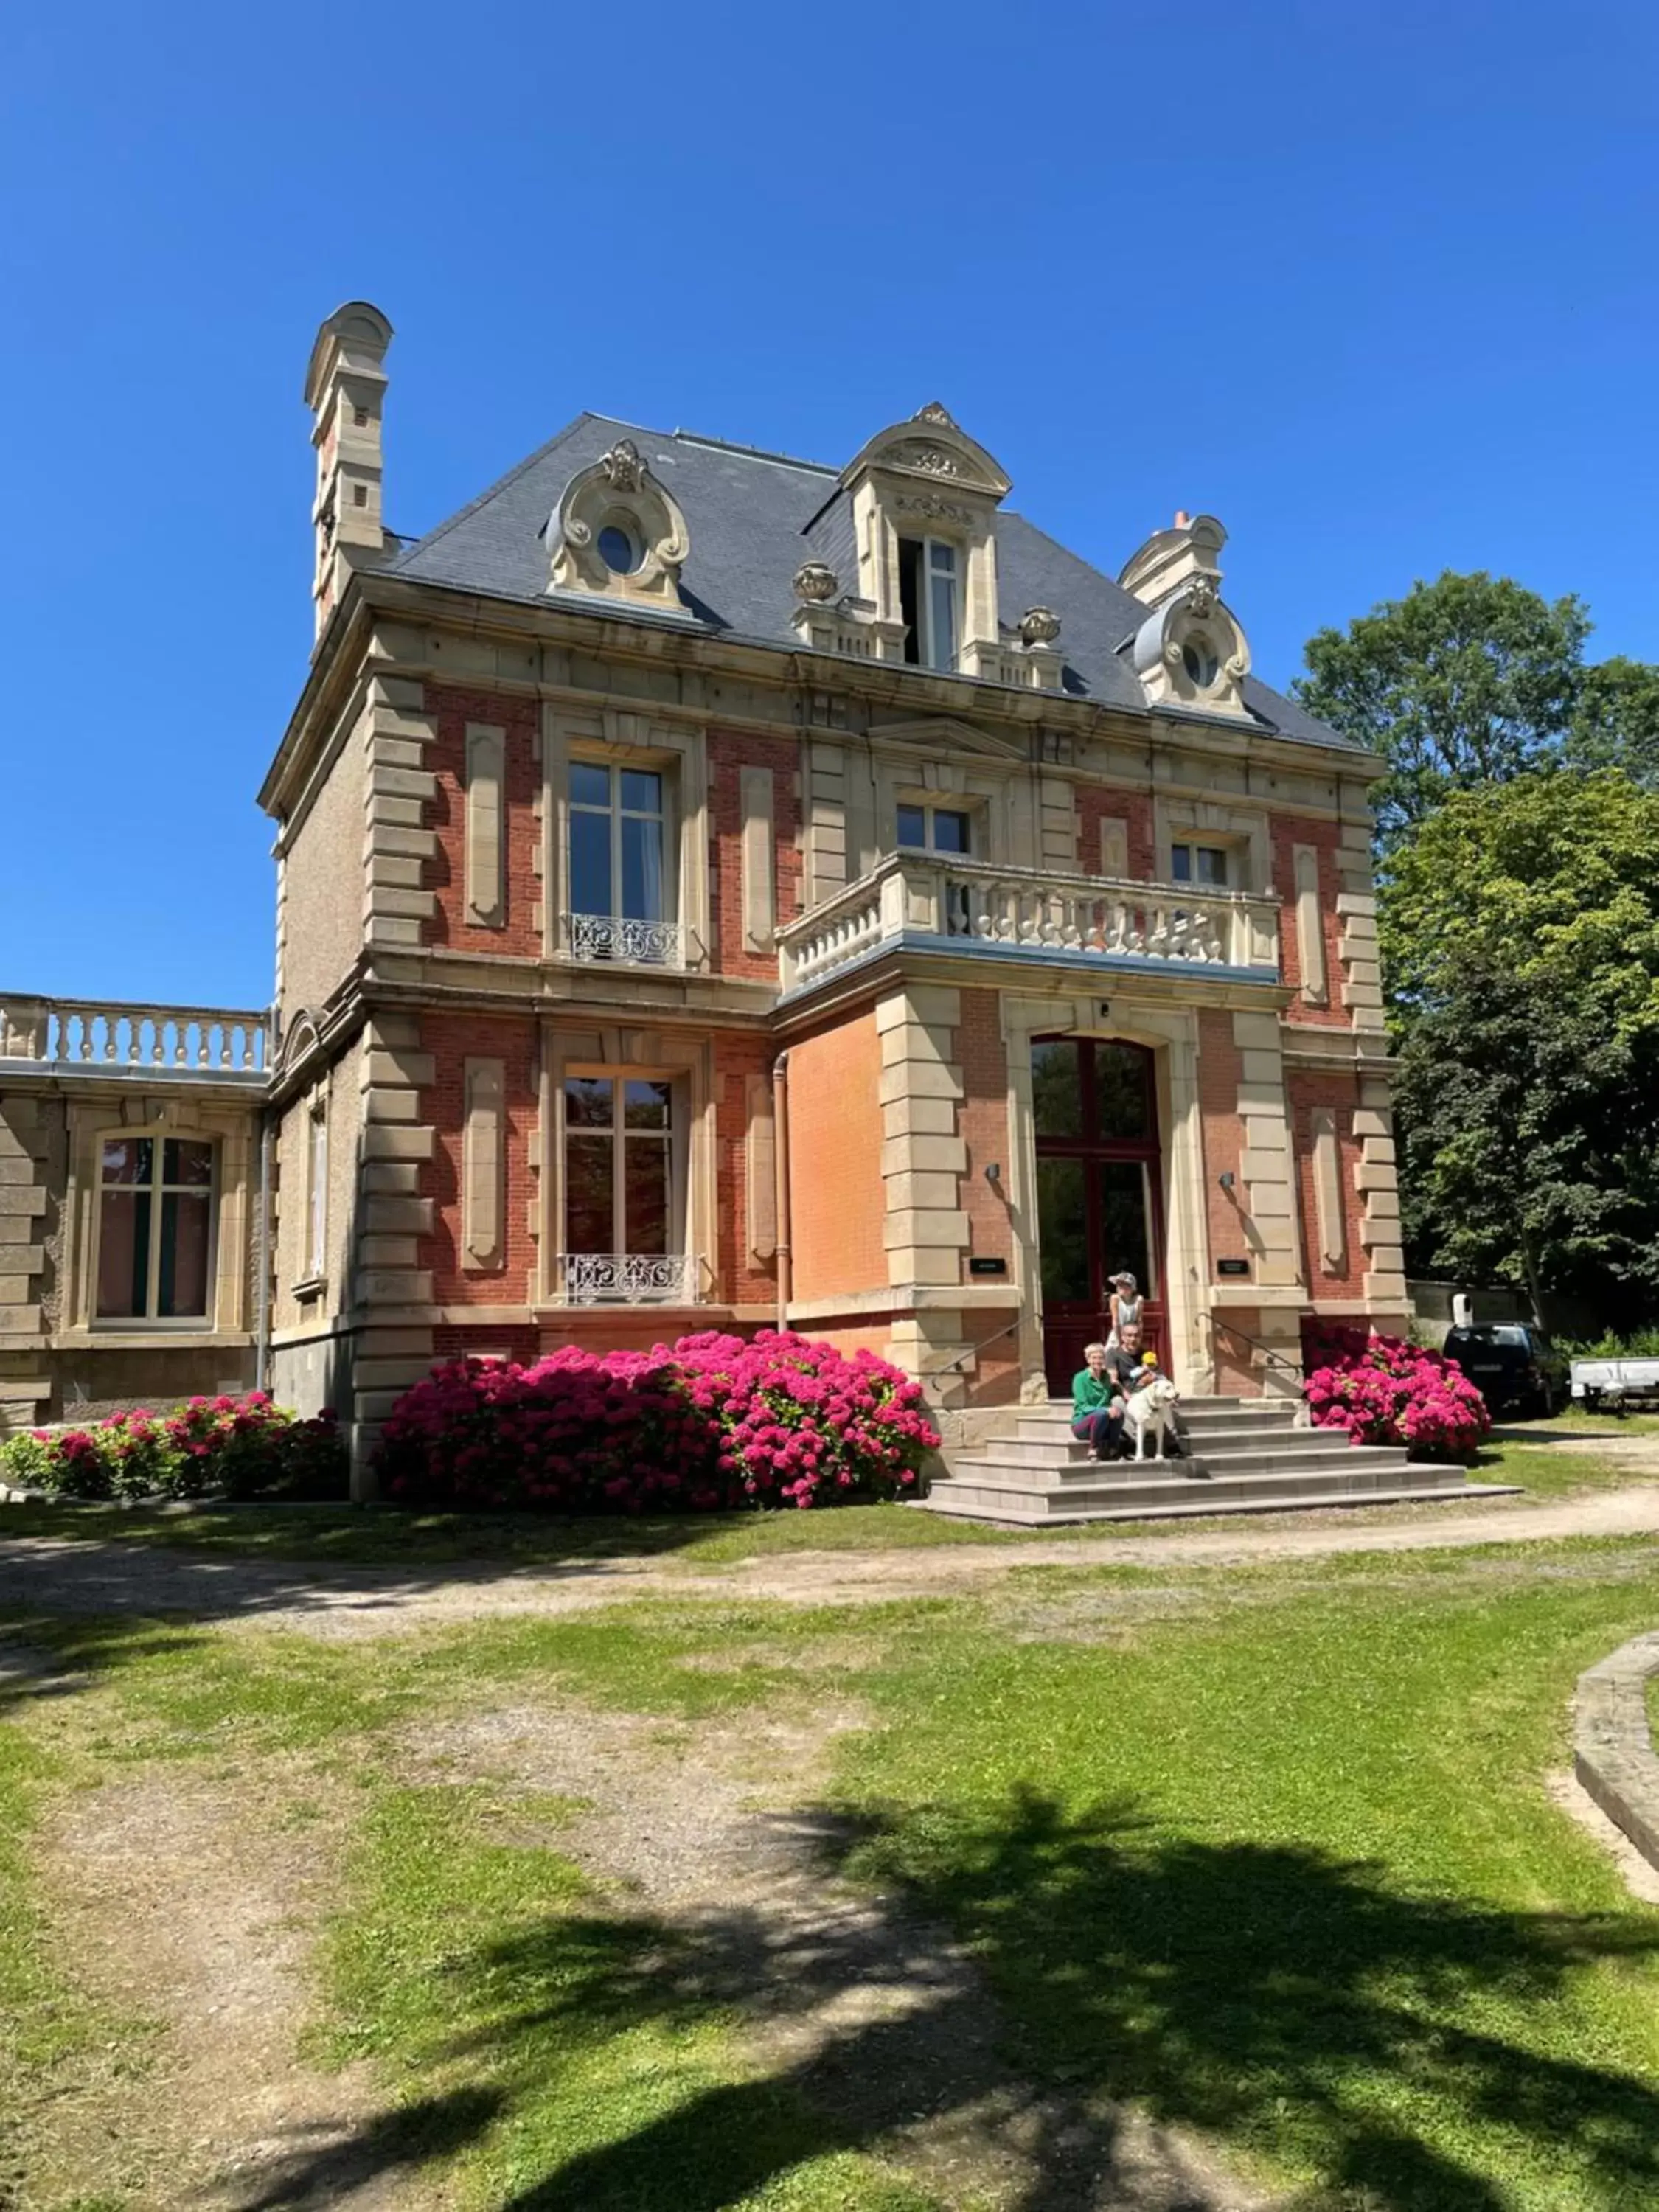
[[1151, 1407]]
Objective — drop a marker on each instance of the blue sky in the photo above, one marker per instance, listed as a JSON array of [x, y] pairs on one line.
[[1373, 283]]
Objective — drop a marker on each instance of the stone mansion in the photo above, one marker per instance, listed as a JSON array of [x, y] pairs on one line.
[[713, 890]]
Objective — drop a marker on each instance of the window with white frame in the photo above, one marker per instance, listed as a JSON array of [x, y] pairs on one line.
[[155, 1223], [622, 897], [316, 1251], [930, 600], [1205, 865], [624, 1189]]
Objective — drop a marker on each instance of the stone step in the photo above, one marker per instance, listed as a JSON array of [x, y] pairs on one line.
[[1208, 1443], [1201, 1502], [1330, 1466], [1126, 1482], [1042, 1423]]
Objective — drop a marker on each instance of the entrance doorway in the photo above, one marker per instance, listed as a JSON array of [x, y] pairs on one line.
[[1100, 1192]]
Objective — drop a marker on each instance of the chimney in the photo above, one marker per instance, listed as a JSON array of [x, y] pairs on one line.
[[1170, 558], [345, 390]]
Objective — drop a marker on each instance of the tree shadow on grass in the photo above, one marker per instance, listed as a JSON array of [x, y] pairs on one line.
[[1403, 2052]]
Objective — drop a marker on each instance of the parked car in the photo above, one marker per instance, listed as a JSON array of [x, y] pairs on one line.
[[1615, 1383], [1512, 1365]]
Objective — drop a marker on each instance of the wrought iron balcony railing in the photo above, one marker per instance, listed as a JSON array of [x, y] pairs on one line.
[[633, 1278], [112, 1036], [621, 940], [975, 907]]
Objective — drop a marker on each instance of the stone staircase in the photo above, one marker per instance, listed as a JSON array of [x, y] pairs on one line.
[[1248, 1455]]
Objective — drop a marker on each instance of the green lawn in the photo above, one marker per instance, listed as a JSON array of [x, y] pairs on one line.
[[1267, 1851]]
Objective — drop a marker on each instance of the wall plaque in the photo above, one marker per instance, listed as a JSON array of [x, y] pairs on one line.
[[987, 1267], [1232, 1267]]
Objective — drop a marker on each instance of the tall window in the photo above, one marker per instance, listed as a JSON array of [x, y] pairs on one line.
[[316, 1191], [1199, 864], [617, 842], [930, 600], [618, 1165], [155, 1229]]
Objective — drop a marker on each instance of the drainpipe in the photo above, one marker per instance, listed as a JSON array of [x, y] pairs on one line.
[[262, 1342], [780, 1175]]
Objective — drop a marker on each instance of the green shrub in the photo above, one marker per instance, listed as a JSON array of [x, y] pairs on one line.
[[225, 1446]]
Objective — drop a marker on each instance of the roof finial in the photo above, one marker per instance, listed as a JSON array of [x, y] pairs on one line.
[[1183, 520], [936, 411]]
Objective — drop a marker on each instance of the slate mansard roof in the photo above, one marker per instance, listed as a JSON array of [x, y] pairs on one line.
[[753, 519]]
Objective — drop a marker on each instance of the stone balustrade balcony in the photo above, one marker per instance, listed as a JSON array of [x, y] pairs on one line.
[[943, 903], [108, 1037]]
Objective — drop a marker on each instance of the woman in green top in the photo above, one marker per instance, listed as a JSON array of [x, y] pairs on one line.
[[1097, 1404]]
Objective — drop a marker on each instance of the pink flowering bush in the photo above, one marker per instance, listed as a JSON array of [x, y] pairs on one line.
[[1384, 1391], [708, 1424], [239, 1447]]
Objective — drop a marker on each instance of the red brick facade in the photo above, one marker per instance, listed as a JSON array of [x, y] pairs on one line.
[[1326, 838], [452, 1040], [727, 758], [982, 1120], [835, 1160], [1094, 806], [1306, 1092], [445, 813]]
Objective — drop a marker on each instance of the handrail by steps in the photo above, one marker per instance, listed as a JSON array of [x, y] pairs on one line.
[[974, 1350], [1291, 1366]]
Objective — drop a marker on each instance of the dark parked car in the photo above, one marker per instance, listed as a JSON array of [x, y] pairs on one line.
[[1513, 1365]]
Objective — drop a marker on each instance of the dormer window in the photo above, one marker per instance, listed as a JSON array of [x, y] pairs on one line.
[[930, 588], [620, 550]]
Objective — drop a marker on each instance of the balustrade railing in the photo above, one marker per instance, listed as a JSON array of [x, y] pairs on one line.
[[621, 939], [592, 1279], [1071, 917], [114, 1036]]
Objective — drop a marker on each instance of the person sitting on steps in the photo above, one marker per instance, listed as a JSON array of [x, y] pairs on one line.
[[1097, 1403], [1131, 1366]]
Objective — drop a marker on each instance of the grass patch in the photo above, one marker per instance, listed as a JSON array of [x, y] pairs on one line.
[[498, 1982], [1288, 1873]]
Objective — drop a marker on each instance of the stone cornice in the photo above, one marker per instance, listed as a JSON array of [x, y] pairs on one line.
[[896, 688]]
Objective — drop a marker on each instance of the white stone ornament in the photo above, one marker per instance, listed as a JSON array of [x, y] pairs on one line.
[[619, 492], [1039, 626], [815, 582]]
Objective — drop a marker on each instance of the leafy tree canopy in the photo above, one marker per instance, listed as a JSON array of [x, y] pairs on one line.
[[1616, 724], [1465, 680], [1521, 931]]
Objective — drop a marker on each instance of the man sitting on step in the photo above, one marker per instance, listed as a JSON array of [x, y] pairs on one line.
[[1131, 1366]]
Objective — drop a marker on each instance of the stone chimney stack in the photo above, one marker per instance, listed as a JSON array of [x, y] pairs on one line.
[[345, 390], [1170, 558]]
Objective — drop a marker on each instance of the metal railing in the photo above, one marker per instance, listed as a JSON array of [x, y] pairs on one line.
[[1268, 1352], [116, 1036], [623, 940], [642, 1279]]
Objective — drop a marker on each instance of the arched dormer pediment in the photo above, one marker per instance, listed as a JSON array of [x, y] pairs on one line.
[[618, 533], [300, 1040], [1191, 652], [932, 447]]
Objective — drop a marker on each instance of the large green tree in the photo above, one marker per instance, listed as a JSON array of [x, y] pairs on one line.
[[1464, 681], [1616, 723], [1520, 938]]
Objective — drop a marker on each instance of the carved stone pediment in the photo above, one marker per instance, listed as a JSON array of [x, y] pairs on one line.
[[946, 734], [929, 448]]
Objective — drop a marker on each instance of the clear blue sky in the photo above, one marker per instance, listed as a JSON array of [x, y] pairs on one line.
[[1374, 283]]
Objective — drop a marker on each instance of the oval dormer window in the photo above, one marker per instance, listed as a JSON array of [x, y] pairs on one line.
[[619, 549], [1200, 662]]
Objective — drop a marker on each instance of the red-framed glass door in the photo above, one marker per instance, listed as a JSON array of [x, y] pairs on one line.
[[1100, 1194]]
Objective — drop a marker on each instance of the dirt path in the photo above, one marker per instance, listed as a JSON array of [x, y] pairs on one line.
[[183, 1904], [53, 1574], [710, 1838]]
